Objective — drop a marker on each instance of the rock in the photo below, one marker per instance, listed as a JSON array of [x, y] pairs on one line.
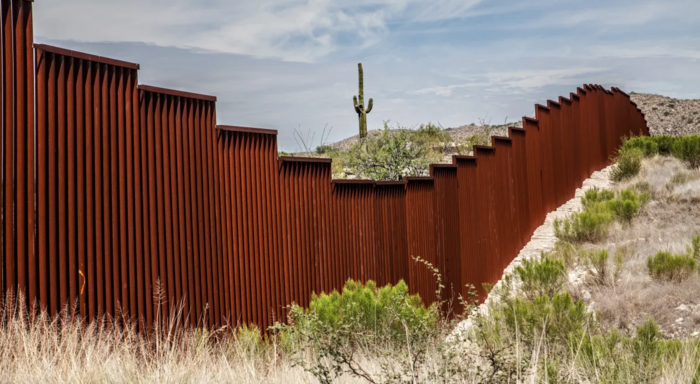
[[586, 295], [679, 320], [695, 333], [682, 308]]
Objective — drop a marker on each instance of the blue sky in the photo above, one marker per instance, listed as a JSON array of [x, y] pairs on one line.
[[287, 64]]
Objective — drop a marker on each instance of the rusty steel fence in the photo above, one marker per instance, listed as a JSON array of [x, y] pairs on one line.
[[129, 201]]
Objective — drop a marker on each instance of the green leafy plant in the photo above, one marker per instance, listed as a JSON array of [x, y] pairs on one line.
[[687, 148], [665, 266], [628, 164], [540, 277], [644, 143], [601, 208], [389, 156], [590, 225], [598, 259]]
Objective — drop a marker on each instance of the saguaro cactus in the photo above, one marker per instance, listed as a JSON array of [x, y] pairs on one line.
[[360, 107]]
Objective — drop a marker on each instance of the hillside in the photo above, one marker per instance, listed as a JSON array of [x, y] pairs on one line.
[[669, 116]]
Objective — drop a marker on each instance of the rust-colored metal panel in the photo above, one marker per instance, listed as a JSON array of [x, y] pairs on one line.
[[420, 217], [72, 126], [18, 269], [468, 222], [447, 231], [535, 182], [390, 224], [549, 186]]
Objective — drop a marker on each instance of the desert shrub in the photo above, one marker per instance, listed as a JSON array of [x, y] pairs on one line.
[[559, 315], [595, 196], [696, 247], [628, 164], [616, 358], [565, 252], [430, 135], [664, 143], [601, 208], [540, 277], [598, 259], [323, 149], [644, 143], [665, 266], [389, 155], [589, 225], [682, 178], [383, 311], [687, 148], [480, 138], [627, 204]]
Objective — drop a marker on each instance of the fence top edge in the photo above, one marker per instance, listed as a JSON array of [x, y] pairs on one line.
[[504, 139], [552, 103], [517, 129], [530, 120], [574, 97], [581, 90], [443, 165], [484, 148], [564, 100], [621, 91], [173, 92], [231, 128], [85, 56], [352, 182], [296, 159], [541, 107], [418, 179], [390, 183], [456, 158]]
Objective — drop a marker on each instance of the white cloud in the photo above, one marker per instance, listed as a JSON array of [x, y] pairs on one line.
[[293, 30]]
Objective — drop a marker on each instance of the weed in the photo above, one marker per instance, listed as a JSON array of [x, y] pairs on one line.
[[628, 164], [598, 259], [665, 266], [682, 178], [540, 277], [687, 148]]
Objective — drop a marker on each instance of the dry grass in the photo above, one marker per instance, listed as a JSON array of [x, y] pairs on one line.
[[40, 350], [669, 222]]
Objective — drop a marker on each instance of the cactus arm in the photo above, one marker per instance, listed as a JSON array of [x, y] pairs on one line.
[[369, 106], [358, 110]]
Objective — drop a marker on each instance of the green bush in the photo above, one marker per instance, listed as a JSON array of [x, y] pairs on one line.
[[644, 143], [559, 316], [687, 148], [628, 164], [696, 247], [601, 208], [365, 308], [627, 204], [665, 266], [589, 225], [616, 358], [599, 260], [391, 155], [430, 135], [323, 149], [540, 277], [595, 196], [664, 143]]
